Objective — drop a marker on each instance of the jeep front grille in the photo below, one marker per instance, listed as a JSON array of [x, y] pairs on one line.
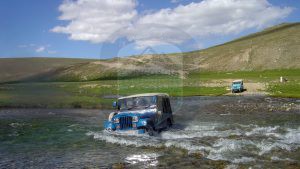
[[125, 122]]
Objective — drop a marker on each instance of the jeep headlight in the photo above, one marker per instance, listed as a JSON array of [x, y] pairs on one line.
[[116, 120], [144, 123], [135, 119]]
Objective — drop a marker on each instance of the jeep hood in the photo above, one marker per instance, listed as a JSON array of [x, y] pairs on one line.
[[142, 111]]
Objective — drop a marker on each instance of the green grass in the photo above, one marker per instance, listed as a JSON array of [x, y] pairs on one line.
[[270, 77], [289, 89], [259, 76], [49, 95], [94, 94]]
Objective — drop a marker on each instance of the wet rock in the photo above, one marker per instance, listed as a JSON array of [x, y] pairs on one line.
[[218, 164], [292, 165], [233, 137], [197, 155]]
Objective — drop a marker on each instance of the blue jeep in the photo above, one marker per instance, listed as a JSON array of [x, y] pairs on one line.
[[141, 113], [237, 86]]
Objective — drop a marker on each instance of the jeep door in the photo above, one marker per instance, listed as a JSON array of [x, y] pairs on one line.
[[167, 111], [163, 112], [159, 112]]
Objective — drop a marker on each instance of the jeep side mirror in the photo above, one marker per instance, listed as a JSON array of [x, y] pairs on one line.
[[115, 104]]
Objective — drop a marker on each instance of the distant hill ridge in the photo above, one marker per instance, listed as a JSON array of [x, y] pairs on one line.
[[277, 47]]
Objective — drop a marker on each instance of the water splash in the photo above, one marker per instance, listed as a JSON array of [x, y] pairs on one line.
[[150, 159], [216, 141]]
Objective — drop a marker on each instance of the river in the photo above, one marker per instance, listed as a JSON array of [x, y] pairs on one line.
[[209, 132]]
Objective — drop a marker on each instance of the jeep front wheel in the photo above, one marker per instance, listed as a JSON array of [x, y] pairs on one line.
[[150, 130]]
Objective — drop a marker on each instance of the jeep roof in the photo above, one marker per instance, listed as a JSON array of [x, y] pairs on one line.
[[145, 94], [236, 81]]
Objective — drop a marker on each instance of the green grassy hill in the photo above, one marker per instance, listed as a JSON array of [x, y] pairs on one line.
[[277, 47], [18, 69]]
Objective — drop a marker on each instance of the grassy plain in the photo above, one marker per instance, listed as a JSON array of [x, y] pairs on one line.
[[100, 94]]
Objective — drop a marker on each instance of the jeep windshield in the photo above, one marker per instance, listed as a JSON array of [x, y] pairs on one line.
[[137, 103]]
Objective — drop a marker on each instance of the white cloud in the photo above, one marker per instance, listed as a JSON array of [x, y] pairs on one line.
[[107, 20], [40, 49], [96, 20]]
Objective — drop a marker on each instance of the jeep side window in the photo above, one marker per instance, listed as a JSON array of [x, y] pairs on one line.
[[159, 104], [165, 105]]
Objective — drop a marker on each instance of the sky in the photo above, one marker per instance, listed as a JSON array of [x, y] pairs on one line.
[[103, 29]]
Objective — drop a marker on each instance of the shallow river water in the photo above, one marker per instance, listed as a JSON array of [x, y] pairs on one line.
[[209, 132]]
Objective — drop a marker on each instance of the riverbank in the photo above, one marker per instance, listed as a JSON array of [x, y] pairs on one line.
[[39, 95]]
